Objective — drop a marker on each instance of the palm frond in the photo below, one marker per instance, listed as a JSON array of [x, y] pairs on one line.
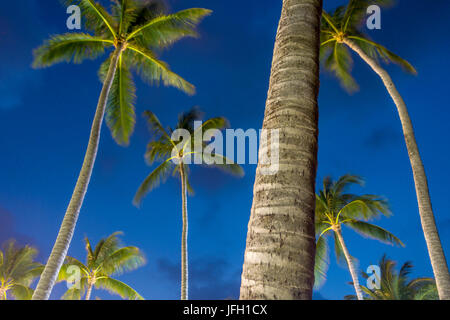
[[120, 114], [96, 17], [164, 30], [154, 71], [123, 259], [117, 287], [69, 47], [322, 262], [372, 231], [153, 180], [21, 292]]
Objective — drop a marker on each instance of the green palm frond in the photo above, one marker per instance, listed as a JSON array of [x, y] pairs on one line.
[[76, 291], [372, 231], [322, 262], [106, 247], [164, 30], [118, 287], [122, 260], [65, 273], [160, 173], [155, 71], [120, 114], [95, 16], [340, 62], [69, 47], [339, 251]]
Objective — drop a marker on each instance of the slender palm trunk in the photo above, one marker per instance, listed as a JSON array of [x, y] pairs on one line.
[[65, 233], [89, 290], [184, 234], [351, 266], [280, 249], [430, 231]]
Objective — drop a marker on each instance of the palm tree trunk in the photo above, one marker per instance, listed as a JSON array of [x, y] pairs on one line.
[[429, 227], [89, 290], [184, 234], [65, 233], [280, 249], [351, 266]]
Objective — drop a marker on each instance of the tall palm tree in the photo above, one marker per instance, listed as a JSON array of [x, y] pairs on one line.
[[17, 271], [109, 258], [340, 30], [335, 208], [175, 159], [134, 29], [395, 285], [279, 254]]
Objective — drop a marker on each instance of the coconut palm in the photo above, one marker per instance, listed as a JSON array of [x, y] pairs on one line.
[[336, 208], [17, 271], [395, 285], [340, 31], [279, 254], [135, 30], [108, 259], [175, 159]]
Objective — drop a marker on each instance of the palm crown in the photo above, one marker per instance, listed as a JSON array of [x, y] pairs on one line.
[[345, 23], [395, 285], [161, 148], [18, 270], [335, 208], [139, 29], [109, 258]]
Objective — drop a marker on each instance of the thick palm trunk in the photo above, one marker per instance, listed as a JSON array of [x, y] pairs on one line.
[[279, 256], [89, 290], [351, 266], [184, 234], [65, 233], [430, 231]]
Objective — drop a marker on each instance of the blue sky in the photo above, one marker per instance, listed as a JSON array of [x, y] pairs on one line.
[[45, 118]]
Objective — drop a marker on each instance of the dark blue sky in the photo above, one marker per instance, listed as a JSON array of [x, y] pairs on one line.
[[45, 118]]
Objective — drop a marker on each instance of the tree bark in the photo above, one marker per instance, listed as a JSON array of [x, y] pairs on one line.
[[351, 266], [184, 235], [435, 250], [280, 249], [59, 251]]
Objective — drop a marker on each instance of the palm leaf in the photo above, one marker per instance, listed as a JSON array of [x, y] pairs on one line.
[[322, 262], [123, 259], [117, 287], [153, 180], [164, 30], [372, 231], [21, 292], [120, 114], [154, 71], [69, 47]]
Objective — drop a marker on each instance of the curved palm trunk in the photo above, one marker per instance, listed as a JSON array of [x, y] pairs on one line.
[[280, 249], [351, 266], [430, 231], [184, 234], [65, 233]]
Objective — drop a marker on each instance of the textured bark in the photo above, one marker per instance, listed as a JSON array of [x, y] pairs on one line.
[[184, 234], [430, 231], [280, 249], [351, 266], [59, 251]]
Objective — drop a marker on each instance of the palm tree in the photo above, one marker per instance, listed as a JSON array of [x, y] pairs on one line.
[[109, 258], [396, 285], [135, 29], [17, 271], [175, 159], [335, 208], [340, 30], [279, 254]]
